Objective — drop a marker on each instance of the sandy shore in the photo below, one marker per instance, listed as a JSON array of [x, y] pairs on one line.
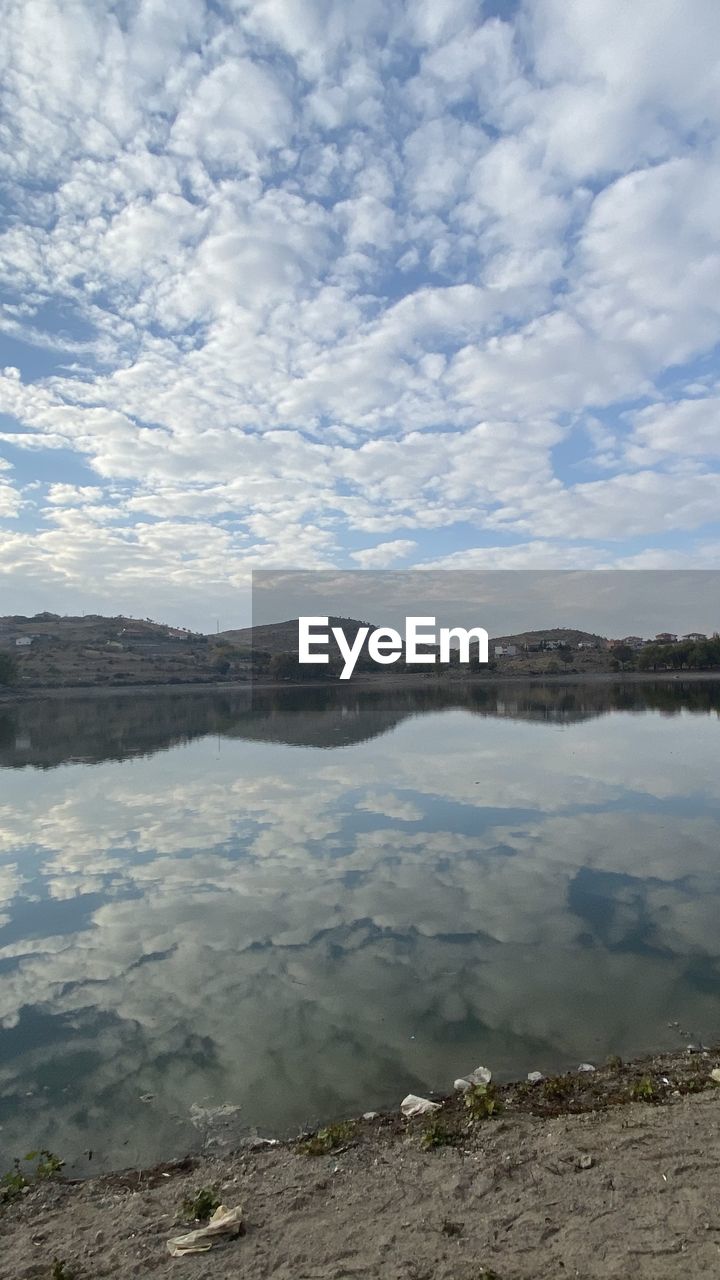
[[572, 1177]]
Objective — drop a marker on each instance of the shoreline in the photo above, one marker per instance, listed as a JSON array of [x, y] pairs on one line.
[[592, 1174], [8, 696]]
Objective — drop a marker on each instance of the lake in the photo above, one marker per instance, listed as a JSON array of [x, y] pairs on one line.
[[222, 917]]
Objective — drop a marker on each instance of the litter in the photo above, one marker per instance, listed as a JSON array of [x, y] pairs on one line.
[[412, 1105], [534, 1077], [715, 1075], [224, 1222], [586, 1066], [481, 1075], [370, 1115]]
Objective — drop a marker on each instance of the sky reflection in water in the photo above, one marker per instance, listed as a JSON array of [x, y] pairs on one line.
[[316, 903]]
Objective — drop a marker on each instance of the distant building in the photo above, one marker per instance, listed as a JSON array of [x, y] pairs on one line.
[[587, 644], [505, 650], [553, 644], [24, 642], [695, 635], [630, 642], [666, 637]]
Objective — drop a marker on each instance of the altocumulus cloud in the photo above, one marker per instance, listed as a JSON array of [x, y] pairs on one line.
[[300, 283]]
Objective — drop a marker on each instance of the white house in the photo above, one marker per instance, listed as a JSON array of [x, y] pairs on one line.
[[505, 650], [23, 642]]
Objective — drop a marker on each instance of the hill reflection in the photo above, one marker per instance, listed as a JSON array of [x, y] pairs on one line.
[[46, 733]]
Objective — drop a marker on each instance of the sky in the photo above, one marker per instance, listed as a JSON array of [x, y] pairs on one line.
[[606, 602], [303, 284]]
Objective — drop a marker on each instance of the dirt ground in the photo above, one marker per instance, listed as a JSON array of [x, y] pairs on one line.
[[568, 1178]]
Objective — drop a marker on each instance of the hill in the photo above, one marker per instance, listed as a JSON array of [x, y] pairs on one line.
[[551, 635], [282, 637], [93, 650], [53, 651]]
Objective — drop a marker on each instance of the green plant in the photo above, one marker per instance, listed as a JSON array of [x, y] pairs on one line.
[[48, 1164], [482, 1102], [327, 1140], [200, 1206], [436, 1135], [13, 1182], [614, 1062], [61, 1271], [556, 1088], [644, 1090], [694, 1084]]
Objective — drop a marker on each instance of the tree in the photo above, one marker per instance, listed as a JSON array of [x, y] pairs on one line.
[[651, 657], [8, 669], [623, 653], [284, 666]]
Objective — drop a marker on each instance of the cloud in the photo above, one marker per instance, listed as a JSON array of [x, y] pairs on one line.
[[165, 896], [302, 266], [384, 554]]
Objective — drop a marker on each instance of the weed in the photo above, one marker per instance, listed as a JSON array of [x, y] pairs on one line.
[[48, 1164], [614, 1062], [14, 1182], [556, 1088], [437, 1135], [644, 1090], [61, 1271], [694, 1084], [482, 1102], [200, 1206], [329, 1139]]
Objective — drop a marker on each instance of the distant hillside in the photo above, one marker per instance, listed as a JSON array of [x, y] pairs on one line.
[[282, 637], [57, 652], [95, 651], [91, 627], [563, 635]]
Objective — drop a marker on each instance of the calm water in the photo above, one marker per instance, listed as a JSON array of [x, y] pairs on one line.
[[316, 904]]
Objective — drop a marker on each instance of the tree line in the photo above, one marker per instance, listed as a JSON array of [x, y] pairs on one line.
[[685, 655]]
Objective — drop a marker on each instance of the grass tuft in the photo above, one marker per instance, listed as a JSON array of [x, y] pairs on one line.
[[437, 1135], [201, 1206], [644, 1090], [16, 1180], [328, 1139], [482, 1101], [61, 1271]]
